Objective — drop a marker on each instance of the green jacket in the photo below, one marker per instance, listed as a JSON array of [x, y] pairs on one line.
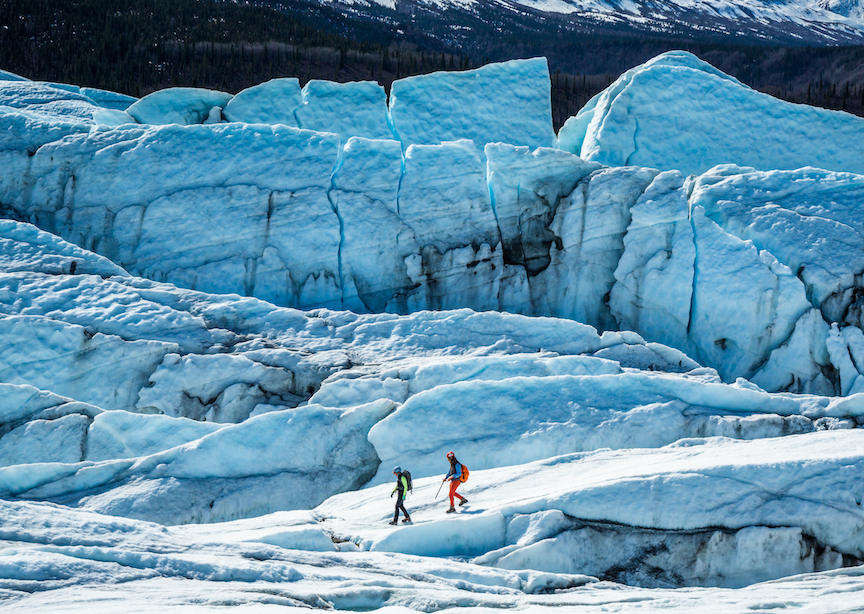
[[401, 485]]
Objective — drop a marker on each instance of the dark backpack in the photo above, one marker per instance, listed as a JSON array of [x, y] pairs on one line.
[[407, 476]]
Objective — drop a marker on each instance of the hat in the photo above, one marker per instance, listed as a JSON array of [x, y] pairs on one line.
[[451, 455], [397, 469]]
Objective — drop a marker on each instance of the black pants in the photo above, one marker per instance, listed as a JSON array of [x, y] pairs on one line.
[[400, 505]]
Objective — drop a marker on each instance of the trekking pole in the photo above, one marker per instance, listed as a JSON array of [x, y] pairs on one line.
[[439, 489]]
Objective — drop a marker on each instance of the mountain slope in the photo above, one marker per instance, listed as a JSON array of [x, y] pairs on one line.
[[464, 21]]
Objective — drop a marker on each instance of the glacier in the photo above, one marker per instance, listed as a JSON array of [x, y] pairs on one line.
[[371, 223], [228, 317]]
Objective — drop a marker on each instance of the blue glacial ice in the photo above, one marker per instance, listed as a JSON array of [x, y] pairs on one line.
[[178, 105], [678, 112], [480, 105], [311, 219]]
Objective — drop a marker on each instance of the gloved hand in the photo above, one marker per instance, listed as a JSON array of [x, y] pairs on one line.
[[391, 494]]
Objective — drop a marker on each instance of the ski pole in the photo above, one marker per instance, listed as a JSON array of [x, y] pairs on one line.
[[439, 489]]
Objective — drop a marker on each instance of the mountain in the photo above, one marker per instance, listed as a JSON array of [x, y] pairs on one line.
[[474, 24]]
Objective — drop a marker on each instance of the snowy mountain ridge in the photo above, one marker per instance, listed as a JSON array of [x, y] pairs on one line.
[[826, 22]]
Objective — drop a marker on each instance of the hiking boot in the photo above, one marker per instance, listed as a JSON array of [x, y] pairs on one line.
[[394, 522], [451, 510], [463, 502], [406, 520]]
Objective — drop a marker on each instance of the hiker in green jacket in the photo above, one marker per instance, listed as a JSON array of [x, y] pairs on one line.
[[403, 485]]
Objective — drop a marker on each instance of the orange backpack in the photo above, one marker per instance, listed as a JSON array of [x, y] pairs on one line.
[[464, 476]]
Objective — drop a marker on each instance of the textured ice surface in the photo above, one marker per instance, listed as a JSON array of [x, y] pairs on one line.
[[290, 459], [311, 219], [272, 102], [47, 100], [180, 177], [518, 416], [130, 392], [365, 197], [26, 248], [653, 289], [479, 104], [305, 219], [809, 219], [351, 109], [691, 117], [177, 105]]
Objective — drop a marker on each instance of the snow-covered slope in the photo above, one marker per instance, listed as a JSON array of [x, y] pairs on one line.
[[830, 22]]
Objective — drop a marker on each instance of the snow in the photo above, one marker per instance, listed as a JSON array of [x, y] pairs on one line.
[[51, 441], [73, 362], [215, 388], [675, 99], [602, 511], [122, 434], [373, 226], [26, 248], [507, 102], [289, 459], [520, 419]]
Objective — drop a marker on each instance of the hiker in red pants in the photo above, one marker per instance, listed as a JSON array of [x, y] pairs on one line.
[[455, 477]]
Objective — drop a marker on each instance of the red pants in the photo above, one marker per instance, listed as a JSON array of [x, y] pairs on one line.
[[454, 484]]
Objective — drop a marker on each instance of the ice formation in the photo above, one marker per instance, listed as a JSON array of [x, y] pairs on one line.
[[655, 378], [306, 219], [678, 112], [482, 105]]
